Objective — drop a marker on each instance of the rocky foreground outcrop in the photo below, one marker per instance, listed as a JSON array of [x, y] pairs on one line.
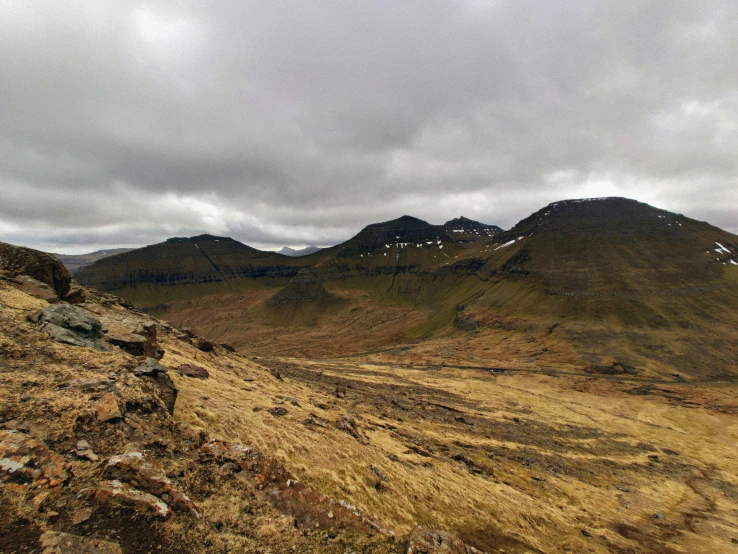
[[91, 459], [20, 261]]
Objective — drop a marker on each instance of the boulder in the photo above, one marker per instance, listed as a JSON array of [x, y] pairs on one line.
[[204, 345], [18, 260], [53, 542], [83, 450], [71, 325], [195, 371], [142, 501], [146, 474], [347, 424], [149, 367], [140, 341], [107, 408], [77, 294]]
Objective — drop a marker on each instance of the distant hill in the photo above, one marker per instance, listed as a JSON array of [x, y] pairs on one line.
[[287, 251], [75, 262]]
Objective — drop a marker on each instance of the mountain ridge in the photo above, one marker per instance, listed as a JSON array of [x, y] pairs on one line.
[[614, 273]]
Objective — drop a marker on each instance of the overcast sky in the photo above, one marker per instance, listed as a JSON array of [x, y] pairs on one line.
[[290, 122]]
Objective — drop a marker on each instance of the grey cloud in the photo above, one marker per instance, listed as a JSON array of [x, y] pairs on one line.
[[290, 123]]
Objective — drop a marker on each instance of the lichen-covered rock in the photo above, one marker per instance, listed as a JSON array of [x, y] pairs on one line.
[[152, 371], [27, 462], [165, 389], [71, 325], [149, 367], [142, 501], [18, 260], [135, 468]]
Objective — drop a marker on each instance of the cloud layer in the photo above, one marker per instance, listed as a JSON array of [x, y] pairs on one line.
[[288, 123]]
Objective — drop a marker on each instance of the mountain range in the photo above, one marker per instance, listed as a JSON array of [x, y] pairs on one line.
[[608, 285]]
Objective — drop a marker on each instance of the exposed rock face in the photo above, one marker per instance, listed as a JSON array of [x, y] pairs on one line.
[[33, 287], [64, 543], [153, 371], [77, 294], [18, 260], [29, 464], [143, 501], [141, 341], [287, 494], [71, 325], [303, 287], [146, 474]]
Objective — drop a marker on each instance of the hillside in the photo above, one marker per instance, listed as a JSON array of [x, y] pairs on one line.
[[183, 268], [604, 285], [121, 433]]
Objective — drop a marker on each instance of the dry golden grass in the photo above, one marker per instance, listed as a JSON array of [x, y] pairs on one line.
[[512, 462], [547, 457]]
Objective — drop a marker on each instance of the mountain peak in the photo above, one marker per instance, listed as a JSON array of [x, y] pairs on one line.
[[464, 229], [406, 229]]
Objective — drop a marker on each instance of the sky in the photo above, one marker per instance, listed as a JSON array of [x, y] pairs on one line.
[[287, 123]]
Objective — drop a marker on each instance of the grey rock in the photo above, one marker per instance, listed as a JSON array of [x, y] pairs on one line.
[[149, 367], [71, 325]]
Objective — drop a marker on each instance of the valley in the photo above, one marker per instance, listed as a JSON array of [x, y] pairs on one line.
[[568, 385]]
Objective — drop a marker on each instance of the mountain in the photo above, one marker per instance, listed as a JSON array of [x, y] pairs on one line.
[[287, 251], [406, 231], [465, 229], [188, 267], [75, 262], [605, 285]]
